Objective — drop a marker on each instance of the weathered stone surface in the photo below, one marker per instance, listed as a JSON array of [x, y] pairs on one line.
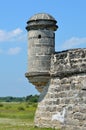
[[66, 63], [63, 107], [59, 76]]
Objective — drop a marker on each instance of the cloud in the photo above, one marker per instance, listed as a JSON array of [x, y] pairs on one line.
[[12, 36], [14, 51], [74, 42]]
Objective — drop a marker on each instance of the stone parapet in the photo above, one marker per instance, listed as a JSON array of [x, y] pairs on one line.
[[68, 62]]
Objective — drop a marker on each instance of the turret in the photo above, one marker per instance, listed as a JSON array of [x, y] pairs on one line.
[[41, 44]]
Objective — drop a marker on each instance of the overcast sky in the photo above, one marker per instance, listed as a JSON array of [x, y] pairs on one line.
[[71, 19]]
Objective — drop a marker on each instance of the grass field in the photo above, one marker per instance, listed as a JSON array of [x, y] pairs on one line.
[[18, 116]]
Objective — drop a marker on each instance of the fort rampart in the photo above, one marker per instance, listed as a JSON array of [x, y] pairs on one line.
[[59, 76]]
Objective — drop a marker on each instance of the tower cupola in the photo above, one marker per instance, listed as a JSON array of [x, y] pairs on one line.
[[42, 21]]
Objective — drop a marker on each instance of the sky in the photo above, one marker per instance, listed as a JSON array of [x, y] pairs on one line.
[[71, 19]]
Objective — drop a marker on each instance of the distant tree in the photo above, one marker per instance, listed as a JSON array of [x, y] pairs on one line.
[[9, 99], [29, 98], [32, 98]]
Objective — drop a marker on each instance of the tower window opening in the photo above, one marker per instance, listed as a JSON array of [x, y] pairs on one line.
[[39, 36]]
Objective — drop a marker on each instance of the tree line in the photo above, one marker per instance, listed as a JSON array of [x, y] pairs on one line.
[[29, 98]]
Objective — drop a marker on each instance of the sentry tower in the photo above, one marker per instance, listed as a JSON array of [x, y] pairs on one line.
[[41, 44]]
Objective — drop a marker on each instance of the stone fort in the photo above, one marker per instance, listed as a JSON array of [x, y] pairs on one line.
[[60, 77]]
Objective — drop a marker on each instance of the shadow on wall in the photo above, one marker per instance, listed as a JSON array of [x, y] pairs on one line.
[[44, 92]]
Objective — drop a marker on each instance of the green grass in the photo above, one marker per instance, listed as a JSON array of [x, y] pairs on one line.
[[18, 116]]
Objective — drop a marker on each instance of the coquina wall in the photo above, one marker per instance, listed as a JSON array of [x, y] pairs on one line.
[[62, 103], [60, 77]]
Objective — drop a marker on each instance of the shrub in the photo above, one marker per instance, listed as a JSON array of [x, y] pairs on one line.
[[1, 105], [20, 108]]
